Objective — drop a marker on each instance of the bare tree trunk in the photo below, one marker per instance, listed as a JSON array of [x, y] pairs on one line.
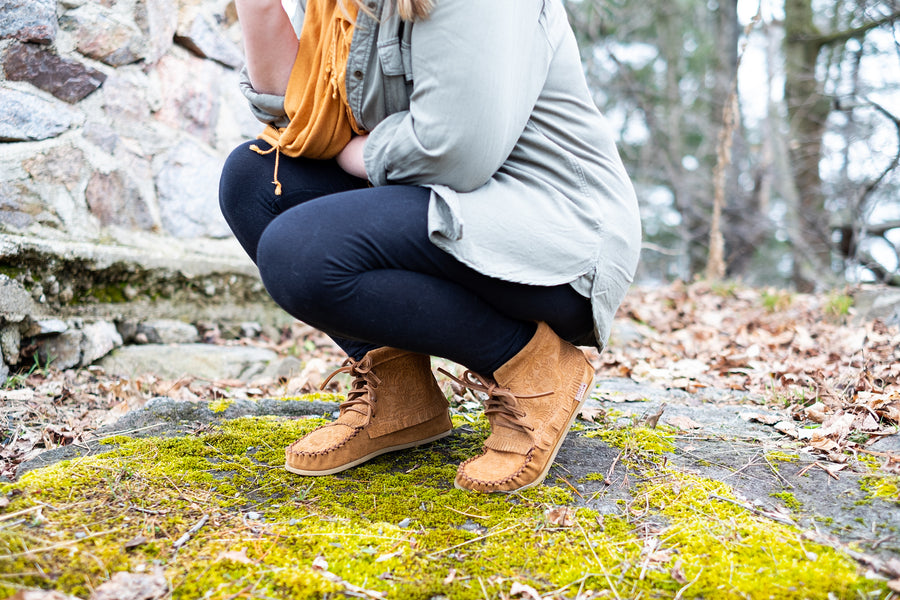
[[808, 110]]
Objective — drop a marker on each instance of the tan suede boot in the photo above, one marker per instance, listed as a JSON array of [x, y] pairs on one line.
[[531, 404], [394, 403]]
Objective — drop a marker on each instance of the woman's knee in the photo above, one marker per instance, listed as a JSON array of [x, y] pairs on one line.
[[292, 266], [239, 172]]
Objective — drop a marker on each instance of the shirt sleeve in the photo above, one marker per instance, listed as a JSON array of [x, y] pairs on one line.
[[478, 68], [267, 108]]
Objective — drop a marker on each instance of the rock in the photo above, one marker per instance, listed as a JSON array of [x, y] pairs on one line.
[[10, 344], [133, 586], [41, 595], [187, 181], [102, 35], [49, 326], [283, 369], [190, 95], [68, 80], [115, 200], [126, 102], [888, 443], [878, 302], [15, 301], [173, 361], [29, 20], [4, 372], [250, 329], [25, 116], [157, 20], [168, 331], [99, 339], [625, 331], [61, 351], [59, 165], [206, 41]]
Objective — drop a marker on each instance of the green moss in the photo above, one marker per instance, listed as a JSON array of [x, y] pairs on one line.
[[10, 271], [108, 294], [778, 456], [789, 500], [395, 525], [838, 304], [774, 300], [314, 397], [638, 441], [886, 488], [220, 405]]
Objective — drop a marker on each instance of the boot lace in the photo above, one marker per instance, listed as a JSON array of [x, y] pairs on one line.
[[361, 397], [501, 403]]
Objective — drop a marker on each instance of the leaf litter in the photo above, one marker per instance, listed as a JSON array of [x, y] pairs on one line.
[[838, 378]]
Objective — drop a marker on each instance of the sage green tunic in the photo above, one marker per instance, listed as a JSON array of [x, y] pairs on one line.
[[486, 104]]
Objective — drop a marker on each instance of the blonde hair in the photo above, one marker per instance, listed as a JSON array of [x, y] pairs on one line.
[[409, 10]]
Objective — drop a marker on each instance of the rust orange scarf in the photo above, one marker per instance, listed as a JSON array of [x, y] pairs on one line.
[[316, 99]]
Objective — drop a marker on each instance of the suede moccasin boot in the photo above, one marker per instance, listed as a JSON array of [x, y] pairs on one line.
[[531, 404], [394, 403]]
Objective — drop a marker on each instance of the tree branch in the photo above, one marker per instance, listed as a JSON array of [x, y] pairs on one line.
[[839, 37]]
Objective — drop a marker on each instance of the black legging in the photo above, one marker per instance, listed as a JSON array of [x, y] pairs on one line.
[[356, 262]]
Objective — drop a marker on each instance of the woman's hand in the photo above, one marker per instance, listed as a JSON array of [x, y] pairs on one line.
[[350, 158]]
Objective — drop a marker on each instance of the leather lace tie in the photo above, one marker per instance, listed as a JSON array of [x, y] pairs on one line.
[[361, 397], [501, 403]]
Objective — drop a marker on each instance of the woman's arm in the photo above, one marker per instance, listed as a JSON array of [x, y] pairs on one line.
[[270, 44], [478, 69]]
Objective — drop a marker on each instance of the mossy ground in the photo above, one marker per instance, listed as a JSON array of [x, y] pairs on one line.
[[395, 525]]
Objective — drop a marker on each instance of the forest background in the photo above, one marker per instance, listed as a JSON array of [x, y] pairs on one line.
[[763, 136]]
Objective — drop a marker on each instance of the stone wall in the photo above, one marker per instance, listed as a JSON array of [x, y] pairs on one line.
[[115, 119]]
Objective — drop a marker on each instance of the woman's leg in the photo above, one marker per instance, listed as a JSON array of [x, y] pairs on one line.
[[247, 195], [359, 265], [248, 201]]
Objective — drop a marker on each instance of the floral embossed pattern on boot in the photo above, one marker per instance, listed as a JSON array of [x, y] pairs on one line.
[[531, 404]]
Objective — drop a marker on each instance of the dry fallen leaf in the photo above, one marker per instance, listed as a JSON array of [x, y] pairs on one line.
[[677, 574], [560, 516], [592, 413], [238, 556], [133, 586], [40, 595], [683, 422], [524, 591]]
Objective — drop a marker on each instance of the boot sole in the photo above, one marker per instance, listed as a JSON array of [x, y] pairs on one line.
[[368, 457], [543, 474]]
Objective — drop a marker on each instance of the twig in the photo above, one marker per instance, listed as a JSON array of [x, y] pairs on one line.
[[62, 544], [18, 513], [190, 532], [483, 589], [777, 474], [599, 562], [467, 514], [612, 467], [564, 480], [148, 511], [473, 540], [689, 584], [113, 434], [755, 511], [351, 589], [890, 457]]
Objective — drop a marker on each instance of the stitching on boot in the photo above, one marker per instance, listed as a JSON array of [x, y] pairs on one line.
[[324, 451], [528, 459]]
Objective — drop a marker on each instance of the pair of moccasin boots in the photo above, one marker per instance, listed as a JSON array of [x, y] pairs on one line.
[[395, 403]]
